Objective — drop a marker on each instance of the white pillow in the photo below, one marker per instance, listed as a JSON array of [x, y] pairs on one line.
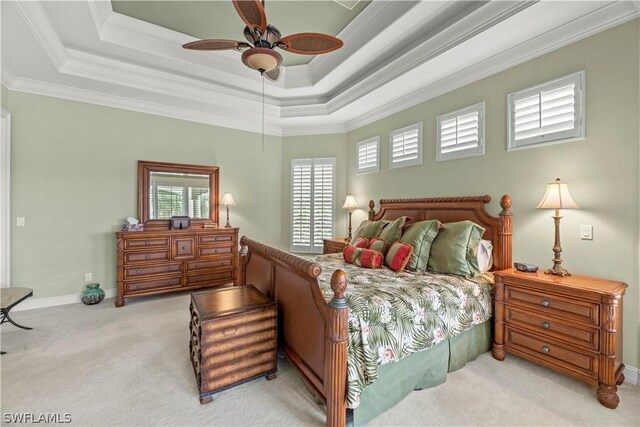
[[485, 255]]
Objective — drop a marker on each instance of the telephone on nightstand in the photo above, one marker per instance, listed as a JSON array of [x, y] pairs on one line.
[[527, 268]]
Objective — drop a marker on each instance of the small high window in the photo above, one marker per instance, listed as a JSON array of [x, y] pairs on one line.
[[406, 146], [461, 133]]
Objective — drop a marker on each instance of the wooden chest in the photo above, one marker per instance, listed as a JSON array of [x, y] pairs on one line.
[[154, 262], [233, 338]]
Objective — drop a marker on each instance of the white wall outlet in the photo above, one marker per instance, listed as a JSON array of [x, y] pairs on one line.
[[586, 232], [88, 277], [20, 221]]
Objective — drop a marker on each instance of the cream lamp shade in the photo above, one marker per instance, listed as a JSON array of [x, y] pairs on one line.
[[227, 200], [557, 197], [350, 202]]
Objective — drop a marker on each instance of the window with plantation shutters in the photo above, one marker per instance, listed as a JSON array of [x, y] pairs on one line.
[[406, 146], [177, 194], [312, 203], [460, 133], [368, 155], [548, 113]]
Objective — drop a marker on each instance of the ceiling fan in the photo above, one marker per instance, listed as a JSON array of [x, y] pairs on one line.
[[264, 38]]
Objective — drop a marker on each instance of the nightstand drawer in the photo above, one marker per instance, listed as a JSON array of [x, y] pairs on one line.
[[552, 327], [543, 303], [551, 351]]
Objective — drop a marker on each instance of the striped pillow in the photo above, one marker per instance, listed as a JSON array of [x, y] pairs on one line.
[[378, 245], [362, 257], [399, 255], [360, 242]]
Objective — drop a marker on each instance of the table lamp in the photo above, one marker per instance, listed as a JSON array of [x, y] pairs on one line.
[[557, 197], [227, 200], [351, 204]]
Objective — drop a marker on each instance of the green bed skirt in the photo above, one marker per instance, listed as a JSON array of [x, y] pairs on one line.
[[425, 369]]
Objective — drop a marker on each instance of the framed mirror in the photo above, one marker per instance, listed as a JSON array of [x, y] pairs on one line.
[[172, 189]]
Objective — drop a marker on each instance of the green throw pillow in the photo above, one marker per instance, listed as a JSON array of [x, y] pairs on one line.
[[368, 229], [393, 230], [455, 249], [420, 235]]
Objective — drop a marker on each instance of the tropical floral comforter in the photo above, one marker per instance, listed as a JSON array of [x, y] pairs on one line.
[[392, 315]]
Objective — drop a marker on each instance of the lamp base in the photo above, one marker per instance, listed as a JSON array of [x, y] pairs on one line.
[[558, 271], [227, 226]]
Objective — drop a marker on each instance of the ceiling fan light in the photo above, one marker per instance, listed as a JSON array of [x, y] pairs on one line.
[[260, 58]]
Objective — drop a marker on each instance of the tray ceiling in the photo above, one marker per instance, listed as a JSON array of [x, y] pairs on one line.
[[396, 55], [219, 20]]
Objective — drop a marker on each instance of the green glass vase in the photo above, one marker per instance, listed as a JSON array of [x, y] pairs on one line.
[[92, 294]]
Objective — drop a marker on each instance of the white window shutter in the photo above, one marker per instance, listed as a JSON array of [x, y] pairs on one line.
[[550, 112], [460, 133], [368, 155], [406, 146], [312, 203]]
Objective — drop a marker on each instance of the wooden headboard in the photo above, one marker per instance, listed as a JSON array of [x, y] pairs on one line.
[[451, 209]]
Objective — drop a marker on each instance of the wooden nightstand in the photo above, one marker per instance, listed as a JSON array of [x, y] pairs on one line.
[[569, 324], [334, 246]]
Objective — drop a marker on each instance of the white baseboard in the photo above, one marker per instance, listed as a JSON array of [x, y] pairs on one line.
[[33, 303], [631, 374]]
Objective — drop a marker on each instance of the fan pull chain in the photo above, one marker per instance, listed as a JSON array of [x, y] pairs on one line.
[[262, 74]]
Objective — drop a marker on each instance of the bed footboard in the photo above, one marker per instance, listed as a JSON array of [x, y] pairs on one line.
[[311, 332]]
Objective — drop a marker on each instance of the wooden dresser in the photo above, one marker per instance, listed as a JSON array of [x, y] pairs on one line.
[[334, 246], [570, 324], [155, 262], [233, 338]]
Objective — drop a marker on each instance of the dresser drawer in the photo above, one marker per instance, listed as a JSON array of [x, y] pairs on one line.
[[134, 271], [223, 376], [131, 257], [214, 251], [240, 335], [549, 326], [150, 285], [208, 239], [565, 307], [552, 352], [199, 265], [152, 242], [209, 276], [239, 352], [183, 247]]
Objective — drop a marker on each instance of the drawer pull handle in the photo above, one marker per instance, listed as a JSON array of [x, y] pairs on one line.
[[147, 256], [138, 286], [230, 331], [147, 243], [184, 247], [546, 325], [546, 303], [196, 265], [546, 349], [138, 271], [171, 282]]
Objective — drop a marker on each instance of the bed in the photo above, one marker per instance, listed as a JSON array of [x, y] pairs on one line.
[[314, 315]]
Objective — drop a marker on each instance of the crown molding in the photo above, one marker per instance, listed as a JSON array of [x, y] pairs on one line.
[[190, 87]]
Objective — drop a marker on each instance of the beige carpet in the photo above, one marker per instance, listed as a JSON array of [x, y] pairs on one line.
[[130, 366]]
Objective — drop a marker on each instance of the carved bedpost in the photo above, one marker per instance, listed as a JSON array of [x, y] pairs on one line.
[[244, 259], [498, 340], [371, 211], [336, 354], [505, 234]]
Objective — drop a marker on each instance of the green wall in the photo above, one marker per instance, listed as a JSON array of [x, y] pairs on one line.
[[602, 170], [74, 178]]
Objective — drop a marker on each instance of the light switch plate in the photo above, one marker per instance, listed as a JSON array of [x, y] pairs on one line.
[[20, 221], [586, 232]]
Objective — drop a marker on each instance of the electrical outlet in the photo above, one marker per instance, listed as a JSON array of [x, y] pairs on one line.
[[88, 277], [586, 232], [20, 221]]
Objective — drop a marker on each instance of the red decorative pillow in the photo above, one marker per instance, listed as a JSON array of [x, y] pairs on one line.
[[360, 242], [399, 255], [378, 245], [362, 257]]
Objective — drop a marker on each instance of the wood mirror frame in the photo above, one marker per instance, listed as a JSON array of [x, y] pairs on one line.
[[144, 171]]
